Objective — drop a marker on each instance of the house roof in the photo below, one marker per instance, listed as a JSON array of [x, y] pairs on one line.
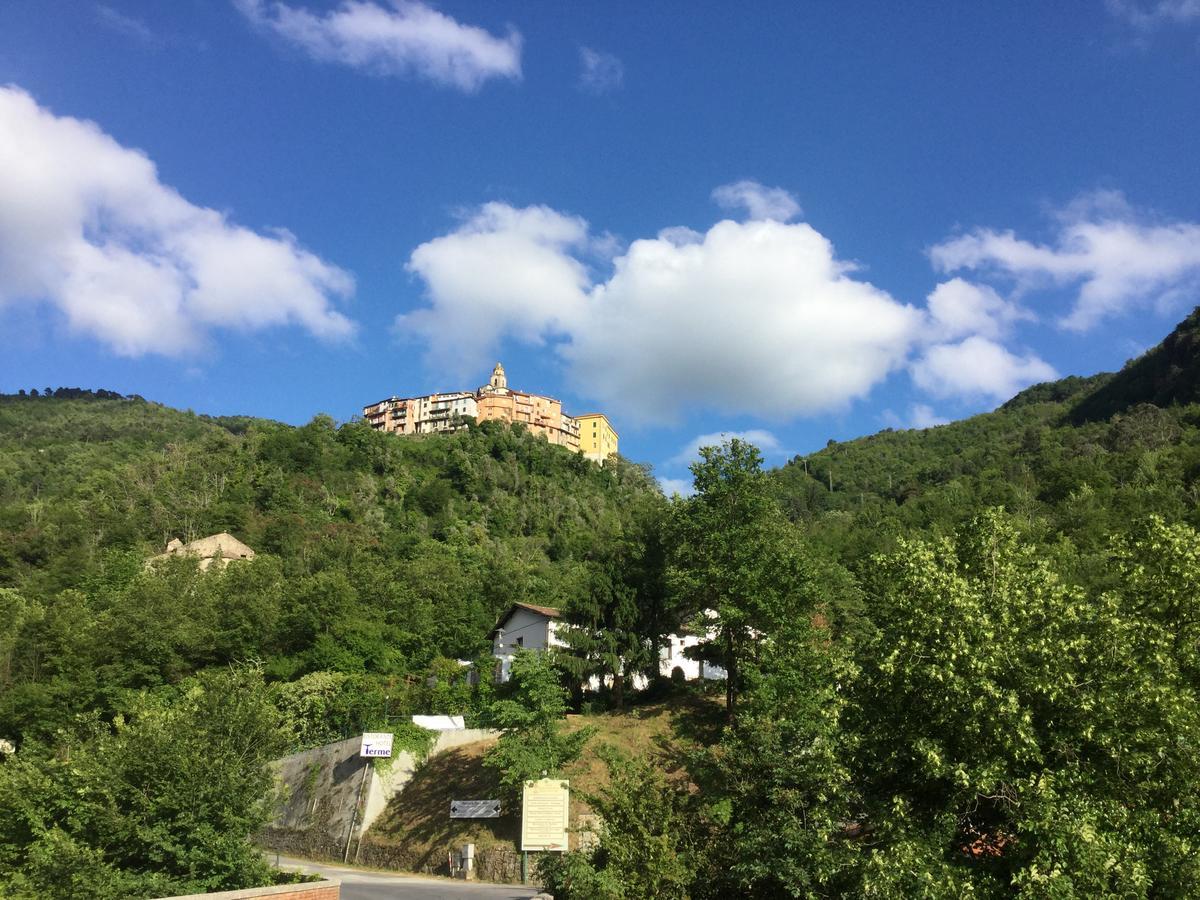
[[548, 611]]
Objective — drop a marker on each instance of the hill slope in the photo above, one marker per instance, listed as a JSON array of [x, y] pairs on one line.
[[377, 554], [1166, 375], [1075, 459]]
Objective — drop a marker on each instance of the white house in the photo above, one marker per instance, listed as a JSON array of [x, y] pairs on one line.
[[528, 627], [671, 657], [524, 627]]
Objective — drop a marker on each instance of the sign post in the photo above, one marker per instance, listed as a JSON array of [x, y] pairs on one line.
[[474, 809], [374, 745], [545, 813]]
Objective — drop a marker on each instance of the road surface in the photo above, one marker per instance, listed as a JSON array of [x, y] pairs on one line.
[[367, 884]]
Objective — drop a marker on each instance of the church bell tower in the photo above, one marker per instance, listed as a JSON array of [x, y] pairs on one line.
[[498, 382]]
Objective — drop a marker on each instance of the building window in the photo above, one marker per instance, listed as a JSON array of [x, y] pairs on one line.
[[520, 642]]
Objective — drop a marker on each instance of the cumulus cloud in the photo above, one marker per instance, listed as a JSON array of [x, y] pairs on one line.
[[975, 368], [86, 226], [504, 272], [1117, 260], [958, 308], [758, 201], [758, 317], [760, 438], [409, 38], [599, 72]]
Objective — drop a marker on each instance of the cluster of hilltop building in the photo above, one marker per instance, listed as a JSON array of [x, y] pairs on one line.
[[590, 434]]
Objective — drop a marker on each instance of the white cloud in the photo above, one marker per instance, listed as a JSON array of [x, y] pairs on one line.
[[760, 438], [504, 273], [758, 201], [958, 308], [684, 487], [1118, 261], [86, 226], [1147, 15], [757, 317], [126, 25], [921, 415], [599, 72], [410, 38], [977, 367]]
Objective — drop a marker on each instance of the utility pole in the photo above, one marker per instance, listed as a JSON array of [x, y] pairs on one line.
[[367, 768]]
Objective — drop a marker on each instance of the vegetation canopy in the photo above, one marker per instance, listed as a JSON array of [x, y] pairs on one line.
[[962, 662]]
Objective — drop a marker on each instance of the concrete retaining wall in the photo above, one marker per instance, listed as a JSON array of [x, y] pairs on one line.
[[322, 786]]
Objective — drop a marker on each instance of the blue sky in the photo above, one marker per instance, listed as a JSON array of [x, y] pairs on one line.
[[801, 222]]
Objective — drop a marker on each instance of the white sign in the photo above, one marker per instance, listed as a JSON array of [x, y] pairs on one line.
[[545, 806], [376, 744], [440, 723]]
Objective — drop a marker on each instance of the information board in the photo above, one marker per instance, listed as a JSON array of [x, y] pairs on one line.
[[545, 808], [376, 744]]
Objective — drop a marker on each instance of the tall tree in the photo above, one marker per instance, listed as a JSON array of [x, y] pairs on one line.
[[735, 566], [618, 617]]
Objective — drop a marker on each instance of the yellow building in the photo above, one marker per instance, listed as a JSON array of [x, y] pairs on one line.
[[597, 437]]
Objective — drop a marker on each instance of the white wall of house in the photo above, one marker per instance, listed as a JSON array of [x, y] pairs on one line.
[[524, 630], [527, 629], [671, 657]]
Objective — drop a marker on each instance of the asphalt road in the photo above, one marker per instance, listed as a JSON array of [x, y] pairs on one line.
[[365, 884]]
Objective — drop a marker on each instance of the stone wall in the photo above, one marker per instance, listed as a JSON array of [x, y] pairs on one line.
[[326, 889], [498, 864]]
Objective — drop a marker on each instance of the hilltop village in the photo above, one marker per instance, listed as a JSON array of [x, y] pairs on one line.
[[590, 434]]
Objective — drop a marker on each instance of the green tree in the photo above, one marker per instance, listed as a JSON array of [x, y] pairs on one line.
[[530, 711], [1020, 732], [781, 770], [649, 842], [163, 801], [604, 630], [734, 566], [16, 615]]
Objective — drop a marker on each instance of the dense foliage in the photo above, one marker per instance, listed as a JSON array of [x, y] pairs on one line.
[[379, 558], [963, 661], [528, 711], [380, 564], [162, 801], [1000, 702]]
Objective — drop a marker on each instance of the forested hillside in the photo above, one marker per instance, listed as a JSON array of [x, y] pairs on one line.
[[963, 661], [376, 555], [1073, 461]]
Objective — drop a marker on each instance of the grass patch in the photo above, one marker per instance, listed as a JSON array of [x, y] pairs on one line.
[[418, 818]]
